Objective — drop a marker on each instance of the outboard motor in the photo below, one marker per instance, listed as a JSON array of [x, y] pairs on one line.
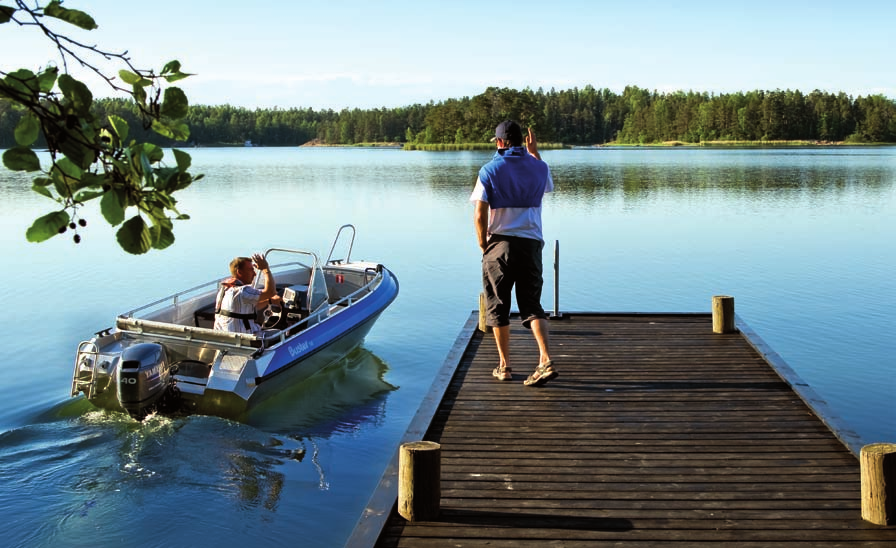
[[144, 378]]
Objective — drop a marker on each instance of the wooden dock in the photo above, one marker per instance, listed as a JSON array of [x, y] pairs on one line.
[[657, 432]]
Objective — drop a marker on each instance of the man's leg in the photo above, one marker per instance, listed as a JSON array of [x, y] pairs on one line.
[[498, 285], [502, 339], [545, 370], [540, 332]]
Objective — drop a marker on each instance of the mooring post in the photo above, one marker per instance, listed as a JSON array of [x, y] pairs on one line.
[[419, 480], [878, 464], [482, 325], [723, 314]]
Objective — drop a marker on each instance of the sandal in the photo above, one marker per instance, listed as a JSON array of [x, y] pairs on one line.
[[502, 373], [543, 373]]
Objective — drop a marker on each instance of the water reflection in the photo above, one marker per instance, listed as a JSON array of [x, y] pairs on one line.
[[342, 397], [114, 461], [640, 181], [802, 234], [637, 175]]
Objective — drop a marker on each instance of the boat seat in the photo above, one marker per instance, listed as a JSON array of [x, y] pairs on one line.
[[205, 316]]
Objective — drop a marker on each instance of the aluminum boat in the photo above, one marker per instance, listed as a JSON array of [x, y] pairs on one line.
[[166, 357]]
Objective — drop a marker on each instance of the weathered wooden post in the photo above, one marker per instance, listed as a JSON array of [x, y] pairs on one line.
[[878, 463], [419, 480], [482, 327], [723, 314]]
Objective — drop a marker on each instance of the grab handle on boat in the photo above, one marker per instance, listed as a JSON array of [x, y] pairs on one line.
[[336, 240]]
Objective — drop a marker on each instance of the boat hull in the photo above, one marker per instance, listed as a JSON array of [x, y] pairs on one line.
[[231, 403]]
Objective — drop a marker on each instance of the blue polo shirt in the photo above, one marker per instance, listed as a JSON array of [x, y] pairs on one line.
[[513, 184]]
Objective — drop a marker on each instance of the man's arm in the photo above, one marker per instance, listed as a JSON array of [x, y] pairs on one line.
[[532, 144], [270, 287], [480, 223]]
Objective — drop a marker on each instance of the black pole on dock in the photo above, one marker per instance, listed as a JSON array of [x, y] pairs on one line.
[[556, 278], [556, 315]]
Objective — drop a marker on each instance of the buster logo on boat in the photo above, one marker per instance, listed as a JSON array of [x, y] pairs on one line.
[[297, 349]]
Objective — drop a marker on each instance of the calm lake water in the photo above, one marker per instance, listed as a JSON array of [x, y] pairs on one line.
[[803, 238]]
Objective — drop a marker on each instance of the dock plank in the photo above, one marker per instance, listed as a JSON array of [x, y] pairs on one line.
[[656, 433]]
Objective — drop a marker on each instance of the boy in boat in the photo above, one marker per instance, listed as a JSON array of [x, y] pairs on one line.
[[507, 218], [238, 301]]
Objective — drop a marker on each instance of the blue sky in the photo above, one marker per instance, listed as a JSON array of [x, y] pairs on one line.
[[339, 54]]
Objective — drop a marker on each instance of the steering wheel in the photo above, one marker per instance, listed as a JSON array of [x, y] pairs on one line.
[[274, 316]]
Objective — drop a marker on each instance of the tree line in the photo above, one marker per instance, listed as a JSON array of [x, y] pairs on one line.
[[576, 116]]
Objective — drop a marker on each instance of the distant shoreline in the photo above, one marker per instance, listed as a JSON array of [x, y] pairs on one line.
[[436, 147], [746, 144]]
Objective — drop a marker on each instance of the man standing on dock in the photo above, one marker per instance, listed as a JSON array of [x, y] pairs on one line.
[[507, 218]]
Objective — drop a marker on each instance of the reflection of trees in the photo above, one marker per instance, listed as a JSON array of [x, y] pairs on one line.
[[597, 175], [448, 174], [636, 181]]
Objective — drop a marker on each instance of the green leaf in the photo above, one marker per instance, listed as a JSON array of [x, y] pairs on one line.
[[183, 159], [120, 127], [178, 132], [134, 79], [27, 130], [21, 86], [47, 79], [176, 76], [139, 94], [111, 208], [42, 190], [171, 66], [21, 159], [88, 195], [75, 150], [77, 93], [171, 72], [134, 236], [6, 14], [69, 168], [92, 180], [147, 169], [161, 202], [123, 198], [74, 17], [162, 238], [47, 226], [129, 77], [66, 176], [183, 181], [165, 177], [175, 104], [41, 181], [155, 153]]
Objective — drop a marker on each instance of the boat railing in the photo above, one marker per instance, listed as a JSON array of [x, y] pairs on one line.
[[325, 312], [194, 297], [317, 287], [87, 356], [351, 244], [175, 331], [173, 300], [182, 333]]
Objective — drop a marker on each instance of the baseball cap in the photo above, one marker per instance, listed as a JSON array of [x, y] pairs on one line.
[[508, 130]]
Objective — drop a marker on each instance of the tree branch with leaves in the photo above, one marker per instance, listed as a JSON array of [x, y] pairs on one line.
[[91, 158]]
